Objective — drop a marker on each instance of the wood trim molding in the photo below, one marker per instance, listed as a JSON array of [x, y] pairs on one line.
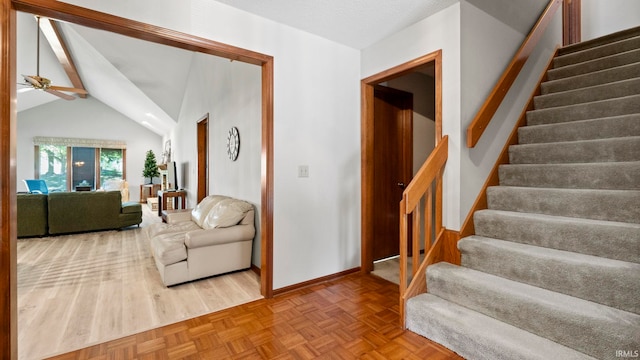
[[500, 90], [571, 22], [492, 180], [8, 224], [266, 224], [119, 25], [316, 281], [366, 138]]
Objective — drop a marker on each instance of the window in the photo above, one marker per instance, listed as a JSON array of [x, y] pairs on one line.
[[53, 166], [68, 163]]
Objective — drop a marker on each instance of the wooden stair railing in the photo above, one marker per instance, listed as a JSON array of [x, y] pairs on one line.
[[419, 194], [500, 90]]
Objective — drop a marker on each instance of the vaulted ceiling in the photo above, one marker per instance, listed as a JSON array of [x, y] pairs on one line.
[[145, 81]]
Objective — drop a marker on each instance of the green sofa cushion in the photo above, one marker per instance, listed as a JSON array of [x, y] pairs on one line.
[[32, 215], [80, 211], [131, 207]]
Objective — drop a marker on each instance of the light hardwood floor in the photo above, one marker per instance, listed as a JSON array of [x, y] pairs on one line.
[[353, 317], [84, 289]]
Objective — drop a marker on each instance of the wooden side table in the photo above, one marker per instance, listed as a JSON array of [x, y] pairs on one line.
[[148, 190], [179, 200]]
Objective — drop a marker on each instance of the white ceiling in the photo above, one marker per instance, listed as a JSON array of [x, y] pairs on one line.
[[145, 81], [355, 23]]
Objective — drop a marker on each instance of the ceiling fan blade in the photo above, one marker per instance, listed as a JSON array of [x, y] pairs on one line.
[[60, 94], [69, 89]]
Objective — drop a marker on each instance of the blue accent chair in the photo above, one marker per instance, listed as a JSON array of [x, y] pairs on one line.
[[36, 186]]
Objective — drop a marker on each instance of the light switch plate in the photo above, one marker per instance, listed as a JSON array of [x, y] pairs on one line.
[[303, 171]]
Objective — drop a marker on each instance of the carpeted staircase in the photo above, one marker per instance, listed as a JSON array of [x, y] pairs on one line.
[[553, 271]]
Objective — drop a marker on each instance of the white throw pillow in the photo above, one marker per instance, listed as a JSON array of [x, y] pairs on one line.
[[226, 213], [202, 209]]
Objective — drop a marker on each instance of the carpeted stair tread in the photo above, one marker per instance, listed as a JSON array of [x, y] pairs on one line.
[[605, 281], [607, 62], [476, 336], [553, 269], [600, 77], [608, 205], [610, 127], [613, 37], [595, 52], [609, 239], [593, 110], [606, 175], [594, 329], [594, 93], [581, 151]]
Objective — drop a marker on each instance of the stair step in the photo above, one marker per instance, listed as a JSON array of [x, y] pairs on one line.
[[607, 49], [626, 105], [608, 175], [584, 95], [476, 336], [617, 36], [582, 151], [609, 239], [585, 326], [605, 281], [610, 127], [607, 62], [618, 73], [608, 205]]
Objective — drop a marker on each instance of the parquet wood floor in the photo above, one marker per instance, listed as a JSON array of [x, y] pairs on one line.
[[353, 317]]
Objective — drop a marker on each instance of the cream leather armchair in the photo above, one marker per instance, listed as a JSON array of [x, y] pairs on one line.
[[216, 237]]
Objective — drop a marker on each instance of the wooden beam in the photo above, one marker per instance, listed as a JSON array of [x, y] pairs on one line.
[[51, 31]]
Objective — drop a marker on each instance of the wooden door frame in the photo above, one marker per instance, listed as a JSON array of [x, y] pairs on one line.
[[571, 22], [8, 114], [367, 171], [202, 140]]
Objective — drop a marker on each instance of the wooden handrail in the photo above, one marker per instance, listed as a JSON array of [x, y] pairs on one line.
[[419, 188], [427, 173], [490, 106]]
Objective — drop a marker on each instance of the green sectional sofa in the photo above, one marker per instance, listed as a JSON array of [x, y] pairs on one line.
[[32, 215], [73, 212]]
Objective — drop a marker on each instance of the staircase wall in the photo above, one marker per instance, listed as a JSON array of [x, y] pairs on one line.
[[600, 18], [488, 46]]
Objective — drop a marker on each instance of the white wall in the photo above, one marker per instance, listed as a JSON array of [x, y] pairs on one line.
[[89, 119], [488, 44], [230, 92], [316, 123], [439, 31], [600, 17]]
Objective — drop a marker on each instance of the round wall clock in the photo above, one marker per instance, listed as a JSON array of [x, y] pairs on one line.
[[233, 143]]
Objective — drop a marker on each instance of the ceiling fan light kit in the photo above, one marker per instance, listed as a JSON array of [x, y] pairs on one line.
[[41, 83]]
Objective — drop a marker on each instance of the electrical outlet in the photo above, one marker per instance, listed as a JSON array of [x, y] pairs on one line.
[[303, 171]]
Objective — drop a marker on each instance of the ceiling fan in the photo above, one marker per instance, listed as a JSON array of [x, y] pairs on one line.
[[41, 83]]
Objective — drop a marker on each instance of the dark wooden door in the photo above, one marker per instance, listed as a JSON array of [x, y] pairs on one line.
[[392, 164], [203, 157]]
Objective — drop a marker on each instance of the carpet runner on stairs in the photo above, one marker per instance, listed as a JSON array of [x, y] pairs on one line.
[[553, 271]]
